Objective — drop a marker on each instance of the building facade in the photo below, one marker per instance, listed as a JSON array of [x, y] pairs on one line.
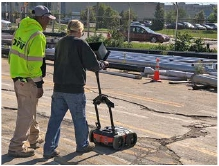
[[143, 10], [15, 9], [192, 9]]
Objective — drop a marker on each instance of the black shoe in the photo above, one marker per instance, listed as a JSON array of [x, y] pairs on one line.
[[27, 152], [86, 149], [55, 153]]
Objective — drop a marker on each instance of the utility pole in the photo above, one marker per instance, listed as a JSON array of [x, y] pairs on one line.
[[6, 10], [25, 8], [59, 7], [129, 22], [88, 21], [177, 11], [97, 16], [10, 13]]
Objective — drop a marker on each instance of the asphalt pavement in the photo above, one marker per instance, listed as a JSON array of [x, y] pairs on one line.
[[175, 124]]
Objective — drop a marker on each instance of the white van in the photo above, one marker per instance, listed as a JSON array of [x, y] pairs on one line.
[[6, 25]]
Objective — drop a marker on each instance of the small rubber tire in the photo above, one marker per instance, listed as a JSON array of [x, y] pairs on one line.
[[131, 139], [118, 142], [91, 136]]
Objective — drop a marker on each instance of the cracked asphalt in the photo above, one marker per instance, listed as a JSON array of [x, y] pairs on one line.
[[175, 124]]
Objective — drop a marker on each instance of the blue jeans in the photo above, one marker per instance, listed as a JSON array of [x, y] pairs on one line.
[[61, 102]]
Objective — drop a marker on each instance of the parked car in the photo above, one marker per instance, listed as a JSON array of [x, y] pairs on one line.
[[208, 27], [136, 23], [65, 20], [173, 26], [147, 23], [145, 34], [6, 25], [214, 25], [188, 25], [199, 27]]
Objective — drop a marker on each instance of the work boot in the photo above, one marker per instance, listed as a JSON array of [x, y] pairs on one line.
[[55, 153], [37, 144], [27, 152], [86, 149]]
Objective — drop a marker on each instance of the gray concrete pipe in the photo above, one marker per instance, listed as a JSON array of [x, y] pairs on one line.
[[126, 67], [145, 61], [186, 75], [173, 53], [204, 79], [122, 74], [166, 66], [213, 73]]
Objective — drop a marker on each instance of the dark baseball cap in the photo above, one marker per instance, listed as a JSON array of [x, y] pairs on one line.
[[42, 11]]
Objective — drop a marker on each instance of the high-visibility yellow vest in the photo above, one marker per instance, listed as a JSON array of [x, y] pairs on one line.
[[27, 50]]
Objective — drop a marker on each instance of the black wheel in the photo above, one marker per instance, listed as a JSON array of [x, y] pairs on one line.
[[91, 136], [153, 40], [131, 139], [118, 142]]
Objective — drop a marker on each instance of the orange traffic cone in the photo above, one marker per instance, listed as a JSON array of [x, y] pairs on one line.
[[156, 77]]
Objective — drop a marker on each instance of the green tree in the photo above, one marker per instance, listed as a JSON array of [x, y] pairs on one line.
[[213, 16], [107, 17], [158, 22], [111, 18], [200, 17], [170, 16], [181, 14], [125, 17], [103, 15], [92, 14]]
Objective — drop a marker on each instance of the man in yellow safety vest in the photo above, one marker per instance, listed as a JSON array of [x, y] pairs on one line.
[[27, 69]]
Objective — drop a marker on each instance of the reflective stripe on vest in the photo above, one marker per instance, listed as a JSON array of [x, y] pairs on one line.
[[26, 57], [32, 58]]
